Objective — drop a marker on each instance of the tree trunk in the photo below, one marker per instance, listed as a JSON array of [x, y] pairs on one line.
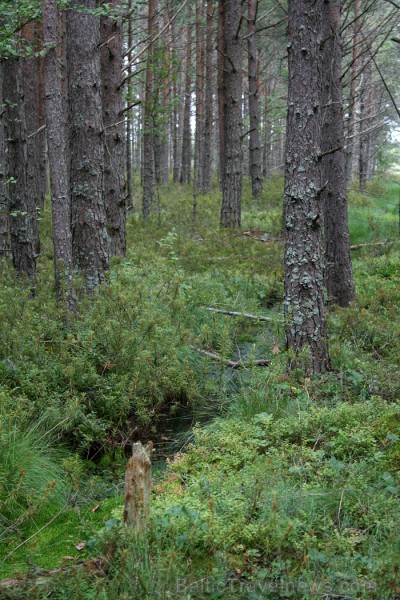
[[254, 146], [199, 135], [351, 119], [148, 165], [138, 487], [41, 147], [90, 241], [4, 241], [231, 103], [221, 89], [365, 124], [187, 137], [23, 240], [58, 162], [113, 122], [129, 120], [208, 105], [304, 286], [338, 273], [30, 89]]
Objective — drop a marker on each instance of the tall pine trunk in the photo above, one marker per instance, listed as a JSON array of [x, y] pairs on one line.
[[199, 135], [208, 104], [90, 240], [23, 239], [58, 157], [254, 145], [4, 240], [351, 120], [186, 135], [148, 164], [113, 123], [30, 90], [338, 271], [231, 105], [304, 283]]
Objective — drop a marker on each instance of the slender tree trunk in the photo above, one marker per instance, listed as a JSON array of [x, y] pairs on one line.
[[58, 157], [113, 122], [208, 108], [338, 273], [187, 137], [129, 120], [254, 146], [199, 135], [90, 242], [351, 123], [4, 203], [41, 148], [267, 134], [23, 239], [175, 129], [221, 87], [304, 285], [30, 89], [231, 13], [372, 134], [148, 164], [365, 124]]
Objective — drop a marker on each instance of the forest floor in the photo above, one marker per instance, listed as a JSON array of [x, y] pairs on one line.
[[266, 484]]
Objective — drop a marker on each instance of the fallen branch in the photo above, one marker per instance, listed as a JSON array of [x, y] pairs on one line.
[[358, 246], [233, 313], [94, 566], [233, 364], [264, 237]]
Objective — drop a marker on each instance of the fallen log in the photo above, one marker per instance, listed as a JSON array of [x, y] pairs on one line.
[[233, 313], [233, 364], [358, 246]]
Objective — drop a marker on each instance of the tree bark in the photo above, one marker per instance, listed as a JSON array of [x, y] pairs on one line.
[[338, 273], [208, 105], [113, 122], [129, 120], [30, 90], [365, 126], [58, 157], [199, 135], [90, 242], [231, 104], [351, 119], [23, 240], [304, 290], [148, 165], [187, 137], [254, 145], [4, 239], [138, 487]]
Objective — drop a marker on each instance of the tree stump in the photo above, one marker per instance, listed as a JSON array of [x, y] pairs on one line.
[[138, 486]]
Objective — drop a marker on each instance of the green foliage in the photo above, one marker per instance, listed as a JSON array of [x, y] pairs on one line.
[[290, 484], [31, 478]]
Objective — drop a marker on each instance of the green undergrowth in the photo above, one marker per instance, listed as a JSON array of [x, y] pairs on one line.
[[287, 485]]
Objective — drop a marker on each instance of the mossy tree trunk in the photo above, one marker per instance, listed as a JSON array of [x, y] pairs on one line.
[[57, 152], [114, 147], [231, 15], [90, 242], [254, 138], [304, 282], [23, 239], [4, 241]]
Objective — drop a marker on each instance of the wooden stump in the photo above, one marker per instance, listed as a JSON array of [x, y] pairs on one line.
[[138, 486]]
